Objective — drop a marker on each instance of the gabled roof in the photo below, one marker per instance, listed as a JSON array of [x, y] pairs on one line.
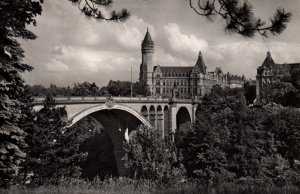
[[200, 65], [147, 40], [157, 69], [169, 71]]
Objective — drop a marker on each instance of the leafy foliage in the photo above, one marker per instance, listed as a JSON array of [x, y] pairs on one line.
[[148, 156], [119, 88], [141, 89], [116, 88], [85, 89], [239, 17]]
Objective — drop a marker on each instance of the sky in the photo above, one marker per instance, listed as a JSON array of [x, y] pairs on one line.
[[71, 48]]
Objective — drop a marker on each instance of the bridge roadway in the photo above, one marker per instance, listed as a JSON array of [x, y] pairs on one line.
[[122, 115]]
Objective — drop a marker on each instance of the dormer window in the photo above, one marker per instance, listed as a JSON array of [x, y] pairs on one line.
[[158, 82]]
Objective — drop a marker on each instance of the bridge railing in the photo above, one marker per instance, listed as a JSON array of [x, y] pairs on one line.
[[97, 99]]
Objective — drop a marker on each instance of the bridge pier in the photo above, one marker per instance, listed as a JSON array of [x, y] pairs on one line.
[[194, 108], [160, 121], [173, 112], [119, 155]]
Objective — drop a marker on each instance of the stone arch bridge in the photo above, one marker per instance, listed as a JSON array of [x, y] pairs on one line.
[[119, 115], [159, 113]]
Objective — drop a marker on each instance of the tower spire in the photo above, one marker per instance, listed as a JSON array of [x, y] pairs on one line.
[[268, 54], [147, 22], [146, 67]]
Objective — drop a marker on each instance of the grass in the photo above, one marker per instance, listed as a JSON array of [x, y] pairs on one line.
[[129, 186]]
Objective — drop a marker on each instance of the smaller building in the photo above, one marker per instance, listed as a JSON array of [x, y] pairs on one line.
[[235, 81]]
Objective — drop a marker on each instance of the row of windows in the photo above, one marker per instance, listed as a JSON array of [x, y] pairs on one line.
[[169, 90], [172, 82], [183, 91], [173, 75]]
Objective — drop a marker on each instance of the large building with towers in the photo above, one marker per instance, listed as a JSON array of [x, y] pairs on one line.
[[181, 81]]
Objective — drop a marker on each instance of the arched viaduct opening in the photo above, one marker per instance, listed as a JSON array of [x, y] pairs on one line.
[[183, 119], [166, 121], [159, 119], [117, 123]]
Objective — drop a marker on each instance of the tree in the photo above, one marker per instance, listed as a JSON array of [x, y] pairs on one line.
[[285, 124], [15, 16], [38, 90], [42, 142], [239, 17], [119, 88], [250, 92], [148, 156], [85, 89], [94, 9], [53, 150], [140, 89]]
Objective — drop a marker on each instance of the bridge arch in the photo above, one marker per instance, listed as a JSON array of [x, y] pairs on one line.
[[97, 108], [144, 111], [118, 122], [183, 119]]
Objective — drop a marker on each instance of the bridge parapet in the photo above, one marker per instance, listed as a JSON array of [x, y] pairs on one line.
[[103, 99]]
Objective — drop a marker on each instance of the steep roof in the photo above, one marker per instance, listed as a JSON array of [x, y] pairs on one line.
[[147, 40], [200, 65], [179, 70], [268, 62]]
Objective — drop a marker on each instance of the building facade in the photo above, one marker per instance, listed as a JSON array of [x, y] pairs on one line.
[[181, 81], [266, 74]]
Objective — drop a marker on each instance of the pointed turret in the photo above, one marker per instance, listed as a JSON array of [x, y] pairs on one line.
[[147, 40], [264, 73], [200, 65], [268, 61], [146, 68]]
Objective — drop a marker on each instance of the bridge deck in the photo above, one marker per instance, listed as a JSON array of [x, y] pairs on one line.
[[103, 99]]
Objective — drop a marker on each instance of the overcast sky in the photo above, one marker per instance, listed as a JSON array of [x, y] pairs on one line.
[[71, 48]]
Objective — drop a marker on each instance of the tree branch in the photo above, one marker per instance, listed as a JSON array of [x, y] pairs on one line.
[[239, 18], [92, 9]]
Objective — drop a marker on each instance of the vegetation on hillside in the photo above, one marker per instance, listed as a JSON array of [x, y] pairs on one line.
[[231, 142]]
